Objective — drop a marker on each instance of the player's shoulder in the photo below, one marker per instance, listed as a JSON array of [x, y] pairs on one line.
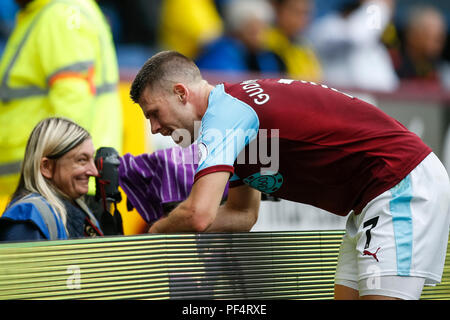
[[225, 99], [227, 111]]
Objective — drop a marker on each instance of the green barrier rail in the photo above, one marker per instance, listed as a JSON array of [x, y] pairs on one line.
[[255, 265]]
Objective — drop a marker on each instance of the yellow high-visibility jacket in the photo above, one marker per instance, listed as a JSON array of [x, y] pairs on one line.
[[300, 60], [59, 61]]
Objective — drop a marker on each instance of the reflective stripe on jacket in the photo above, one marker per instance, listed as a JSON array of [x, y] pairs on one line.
[[34, 208]]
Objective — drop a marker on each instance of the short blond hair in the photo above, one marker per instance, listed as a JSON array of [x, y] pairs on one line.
[[162, 68]]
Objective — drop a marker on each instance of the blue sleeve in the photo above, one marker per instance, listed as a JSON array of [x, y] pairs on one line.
[[19, 231], [227, 127]]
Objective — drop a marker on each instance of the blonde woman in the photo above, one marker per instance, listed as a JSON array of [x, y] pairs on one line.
[[47, 204]]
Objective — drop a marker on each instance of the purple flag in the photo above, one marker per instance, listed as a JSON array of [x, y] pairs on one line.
[[163, 177]]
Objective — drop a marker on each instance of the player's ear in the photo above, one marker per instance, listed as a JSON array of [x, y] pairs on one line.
[[181, 91]]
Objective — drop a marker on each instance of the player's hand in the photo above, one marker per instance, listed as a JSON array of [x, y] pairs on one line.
[[152, 228]]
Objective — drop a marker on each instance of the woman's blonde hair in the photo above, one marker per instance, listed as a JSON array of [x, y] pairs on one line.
[[51, 138]]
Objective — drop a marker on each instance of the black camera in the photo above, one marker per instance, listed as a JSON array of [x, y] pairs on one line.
[[107, 191], [107, 182]]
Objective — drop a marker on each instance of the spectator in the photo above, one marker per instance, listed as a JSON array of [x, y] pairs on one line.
[[424, 40], [59, 61], [349, 45], [59, 159], [287, 41], [187, 25], [241, 48]]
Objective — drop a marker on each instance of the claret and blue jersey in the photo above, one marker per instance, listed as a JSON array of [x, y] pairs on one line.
[[305, 142]]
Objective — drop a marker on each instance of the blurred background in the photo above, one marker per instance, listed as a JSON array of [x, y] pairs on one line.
[[329, 28], [392, 53]]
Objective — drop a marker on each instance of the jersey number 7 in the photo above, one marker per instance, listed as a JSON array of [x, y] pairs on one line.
[[372, 223]]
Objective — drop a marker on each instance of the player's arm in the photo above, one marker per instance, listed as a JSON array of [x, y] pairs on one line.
[[240, 211], [199, 210]]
